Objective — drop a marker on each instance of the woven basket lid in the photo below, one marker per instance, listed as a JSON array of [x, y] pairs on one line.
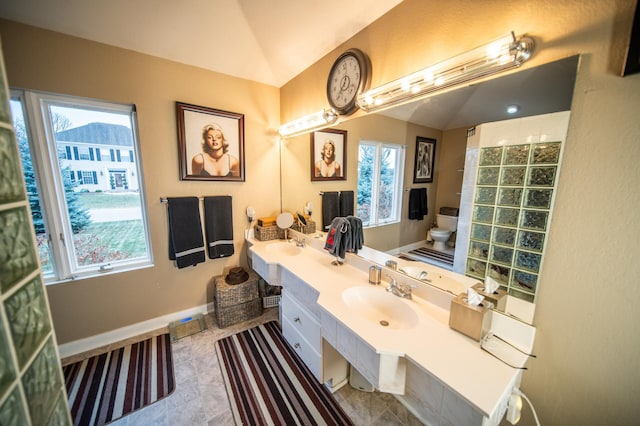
[[236, 275]]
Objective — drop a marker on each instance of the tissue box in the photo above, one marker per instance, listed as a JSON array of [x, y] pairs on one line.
[[472, 321], [497, 298]]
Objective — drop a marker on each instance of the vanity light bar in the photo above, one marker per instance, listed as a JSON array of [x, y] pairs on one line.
[[309, 122], [499, 55]]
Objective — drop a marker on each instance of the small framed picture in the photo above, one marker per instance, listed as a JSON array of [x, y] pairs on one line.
[[425, 159], [329, 154], [210, 143]]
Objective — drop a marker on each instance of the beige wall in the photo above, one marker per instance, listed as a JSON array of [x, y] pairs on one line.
[[452, 149], [588, 346], [42, 60]]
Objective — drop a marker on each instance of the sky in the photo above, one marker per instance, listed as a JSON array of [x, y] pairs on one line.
[[79, 117]]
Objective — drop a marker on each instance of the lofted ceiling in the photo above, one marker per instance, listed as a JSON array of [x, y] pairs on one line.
[[268, 41]]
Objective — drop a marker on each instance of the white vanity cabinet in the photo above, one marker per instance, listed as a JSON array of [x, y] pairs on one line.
[[386, 372], [300, 319], [434, 403], [430, 380]]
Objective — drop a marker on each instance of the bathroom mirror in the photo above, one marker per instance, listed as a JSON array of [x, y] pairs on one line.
[[446, 117]]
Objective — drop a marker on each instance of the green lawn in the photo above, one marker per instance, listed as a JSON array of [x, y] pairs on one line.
[[107, 241], [108, 200]]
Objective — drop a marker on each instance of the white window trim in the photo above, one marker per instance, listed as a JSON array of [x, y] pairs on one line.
[[376, 175], [51, 186]]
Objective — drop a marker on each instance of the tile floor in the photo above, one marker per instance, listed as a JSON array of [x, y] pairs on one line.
[[200, 397]]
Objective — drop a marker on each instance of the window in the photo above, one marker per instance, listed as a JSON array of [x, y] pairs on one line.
[[87, 221], [380, 177]]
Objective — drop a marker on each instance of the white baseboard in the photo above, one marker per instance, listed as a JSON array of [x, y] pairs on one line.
[[93, 342]]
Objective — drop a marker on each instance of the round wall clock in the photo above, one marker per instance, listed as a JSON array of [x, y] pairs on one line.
[[350, 75]]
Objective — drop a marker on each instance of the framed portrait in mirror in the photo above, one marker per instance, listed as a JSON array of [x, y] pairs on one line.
[[329, 155], [425, 160], [210, 143]]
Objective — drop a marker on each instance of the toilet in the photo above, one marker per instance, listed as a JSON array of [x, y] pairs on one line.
[[446, 224]]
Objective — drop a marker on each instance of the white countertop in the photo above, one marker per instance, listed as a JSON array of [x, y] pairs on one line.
[[453, 358]]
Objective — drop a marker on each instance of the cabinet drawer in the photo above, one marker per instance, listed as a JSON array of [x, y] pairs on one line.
[[301, 320], [306, 295], [303, 348]]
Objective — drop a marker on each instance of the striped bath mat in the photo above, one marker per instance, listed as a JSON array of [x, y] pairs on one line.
[[108, 386], [422, 252], [268, 384]]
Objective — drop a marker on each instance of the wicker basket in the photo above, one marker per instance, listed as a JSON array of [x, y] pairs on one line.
[[309, 228], [237, 313], [271, 301], [233, 294], [266, 233]]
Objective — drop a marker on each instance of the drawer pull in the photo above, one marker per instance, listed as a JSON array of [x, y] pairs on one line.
[[297, 346], [296, 319]]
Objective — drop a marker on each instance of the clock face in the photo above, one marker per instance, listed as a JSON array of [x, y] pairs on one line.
[[347, 79]]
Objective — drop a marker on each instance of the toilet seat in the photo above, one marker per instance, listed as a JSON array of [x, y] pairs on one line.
[[440, 232]]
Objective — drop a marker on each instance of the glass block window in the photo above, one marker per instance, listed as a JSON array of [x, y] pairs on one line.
[[512, 204]]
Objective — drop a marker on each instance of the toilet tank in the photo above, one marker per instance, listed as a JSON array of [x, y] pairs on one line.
[[447, 222]]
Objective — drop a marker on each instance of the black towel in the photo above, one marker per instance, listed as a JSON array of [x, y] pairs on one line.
[[418, 203], [357, 234], [346, 203], [218, 223], [186, 245], [330, 209]]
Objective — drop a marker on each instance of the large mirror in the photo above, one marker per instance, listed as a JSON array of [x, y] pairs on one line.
[[446, 118]]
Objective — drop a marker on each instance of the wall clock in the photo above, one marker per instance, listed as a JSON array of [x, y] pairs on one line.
[[350, 75]]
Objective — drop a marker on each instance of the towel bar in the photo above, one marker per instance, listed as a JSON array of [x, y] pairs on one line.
[[163, 200]]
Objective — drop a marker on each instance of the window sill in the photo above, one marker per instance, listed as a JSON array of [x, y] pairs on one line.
[[96, 274]]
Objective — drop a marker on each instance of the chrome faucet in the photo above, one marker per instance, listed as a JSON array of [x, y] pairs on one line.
[[423, 276], [299, 241], [401, 290]]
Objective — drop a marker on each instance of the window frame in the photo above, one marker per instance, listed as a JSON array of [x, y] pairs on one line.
[[50, 183], [379, 146]]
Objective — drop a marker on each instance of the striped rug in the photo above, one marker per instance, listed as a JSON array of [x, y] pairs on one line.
[[108, 386], [268, 384], [425, 252]]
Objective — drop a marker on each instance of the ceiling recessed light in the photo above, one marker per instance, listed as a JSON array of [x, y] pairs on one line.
[[512, 109]]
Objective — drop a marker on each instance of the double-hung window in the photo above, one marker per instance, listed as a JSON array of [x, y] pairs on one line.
[[380, 178], [88, 213]]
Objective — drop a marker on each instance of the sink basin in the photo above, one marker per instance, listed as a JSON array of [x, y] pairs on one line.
[[380, 308], [283, 248]]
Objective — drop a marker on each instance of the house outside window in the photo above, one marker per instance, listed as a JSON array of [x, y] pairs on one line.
[[88, 210]]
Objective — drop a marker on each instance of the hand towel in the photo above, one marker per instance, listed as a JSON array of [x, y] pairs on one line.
[[338, 237], [186, 245], [330, 209], [218, 222], [418, 203], [346, 203], [357, 234]]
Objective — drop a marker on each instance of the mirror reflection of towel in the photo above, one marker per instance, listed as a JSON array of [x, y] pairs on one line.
[[418, 203], [186, 245], [346, 203], [330, 208], [218, 222]]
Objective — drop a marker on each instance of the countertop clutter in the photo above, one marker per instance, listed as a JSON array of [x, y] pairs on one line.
[[424, 338]]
